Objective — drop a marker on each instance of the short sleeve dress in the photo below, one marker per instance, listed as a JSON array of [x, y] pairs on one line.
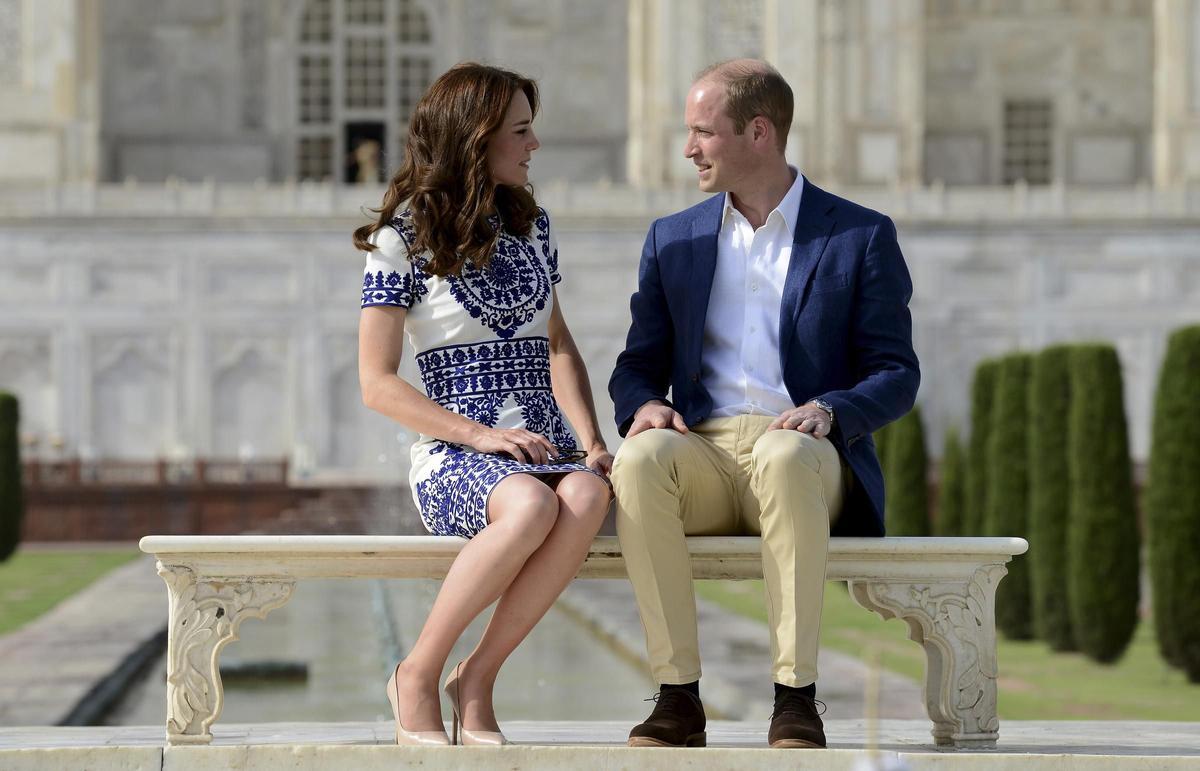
[[483, 350]]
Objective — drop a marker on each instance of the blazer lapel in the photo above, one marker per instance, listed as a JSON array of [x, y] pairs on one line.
[[705, 228], [813, 226]]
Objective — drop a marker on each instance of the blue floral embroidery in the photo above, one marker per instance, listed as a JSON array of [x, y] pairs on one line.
[[475, 380], [453, 501], [489, 381], [507, 293], [402, 289], [542, 223]]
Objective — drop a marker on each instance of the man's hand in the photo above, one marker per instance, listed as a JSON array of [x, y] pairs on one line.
[[807, 418], [655, 415]]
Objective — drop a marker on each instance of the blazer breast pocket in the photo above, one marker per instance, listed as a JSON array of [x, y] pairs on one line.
[[822, 284]]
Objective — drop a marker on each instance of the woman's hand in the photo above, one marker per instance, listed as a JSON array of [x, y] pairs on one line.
[[518, 443], [599, 459]]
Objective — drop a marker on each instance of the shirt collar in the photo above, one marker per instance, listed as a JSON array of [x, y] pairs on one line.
[[788, 208]]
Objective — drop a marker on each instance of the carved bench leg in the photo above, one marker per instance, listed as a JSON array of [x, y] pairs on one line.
[[204, 616], [955, 622]]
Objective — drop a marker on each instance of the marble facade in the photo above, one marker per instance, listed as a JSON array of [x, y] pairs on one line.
[[168, 288]]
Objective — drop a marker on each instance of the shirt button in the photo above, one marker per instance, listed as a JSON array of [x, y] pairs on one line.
[[754, 287], [753, 328], [695, 378]]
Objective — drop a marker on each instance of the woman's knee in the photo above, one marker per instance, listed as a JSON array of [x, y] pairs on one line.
[[585, 494], [525, 504]]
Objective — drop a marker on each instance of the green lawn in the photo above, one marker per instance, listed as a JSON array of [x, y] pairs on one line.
[[1035, 684], [34, 581]]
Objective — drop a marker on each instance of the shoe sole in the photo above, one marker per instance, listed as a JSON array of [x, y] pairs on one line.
[[795, 744], [695, 740]]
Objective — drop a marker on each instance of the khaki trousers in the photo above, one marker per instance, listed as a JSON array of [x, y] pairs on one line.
[[728, 476]]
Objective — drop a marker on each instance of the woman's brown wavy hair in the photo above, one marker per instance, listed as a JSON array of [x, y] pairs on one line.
[[445, 179]]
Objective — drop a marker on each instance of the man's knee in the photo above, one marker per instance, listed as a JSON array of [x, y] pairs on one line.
[[653, 448], [789, 450]]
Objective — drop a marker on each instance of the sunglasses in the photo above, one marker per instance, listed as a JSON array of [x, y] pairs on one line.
[[568, 456]]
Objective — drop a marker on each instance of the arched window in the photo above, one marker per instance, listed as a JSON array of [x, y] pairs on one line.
[[362, 65]]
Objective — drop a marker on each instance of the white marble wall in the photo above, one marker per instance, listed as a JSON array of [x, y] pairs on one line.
[[1093, 61], [196, 90], [225, 337]]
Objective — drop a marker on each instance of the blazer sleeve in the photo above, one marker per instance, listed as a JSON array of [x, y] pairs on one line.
[[643, 370], [881, 338]]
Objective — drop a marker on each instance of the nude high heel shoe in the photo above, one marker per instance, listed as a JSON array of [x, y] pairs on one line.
[[414, 738], [460, 734]]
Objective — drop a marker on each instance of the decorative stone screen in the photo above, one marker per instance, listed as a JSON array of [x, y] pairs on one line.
[[361, 67], [1028, 141]]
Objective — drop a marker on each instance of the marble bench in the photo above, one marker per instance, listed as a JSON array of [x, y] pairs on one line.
[[943, 588]]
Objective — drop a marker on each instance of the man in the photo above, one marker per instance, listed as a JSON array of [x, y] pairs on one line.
[[777, 314]]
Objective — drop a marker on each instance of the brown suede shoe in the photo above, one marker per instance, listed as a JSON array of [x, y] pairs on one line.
[[796, 724], [677, 721]]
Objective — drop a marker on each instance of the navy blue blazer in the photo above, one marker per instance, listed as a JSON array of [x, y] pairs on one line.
[[845, 331]]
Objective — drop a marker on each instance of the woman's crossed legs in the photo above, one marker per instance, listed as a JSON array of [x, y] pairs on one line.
[[537, 537]]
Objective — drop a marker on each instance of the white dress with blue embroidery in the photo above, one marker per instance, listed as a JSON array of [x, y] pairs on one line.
[[483, 350]]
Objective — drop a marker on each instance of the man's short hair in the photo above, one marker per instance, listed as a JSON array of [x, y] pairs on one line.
[[753, 88]]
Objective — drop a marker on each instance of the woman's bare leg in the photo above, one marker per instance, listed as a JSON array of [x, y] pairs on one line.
[[582, 503], [522, 510]]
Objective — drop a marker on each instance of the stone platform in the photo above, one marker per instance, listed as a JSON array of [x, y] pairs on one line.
[[1031, 746]]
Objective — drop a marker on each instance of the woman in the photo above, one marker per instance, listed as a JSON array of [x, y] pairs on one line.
[[463, 260]]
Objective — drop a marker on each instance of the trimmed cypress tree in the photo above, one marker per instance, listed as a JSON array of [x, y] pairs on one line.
[[1008, 488], [906, 477], [1102, 534], [1173, 504], [11, 505], [952, 487], [1049, 405], [982, 390]]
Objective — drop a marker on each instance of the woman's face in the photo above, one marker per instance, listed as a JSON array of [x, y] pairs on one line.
[[511, 147]]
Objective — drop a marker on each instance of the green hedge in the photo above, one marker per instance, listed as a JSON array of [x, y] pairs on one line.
[[1007, 501], [906, 477], [982, 390], [1049, 405], [1172, 504], [1102, 534], [11, 505], [951, 487]]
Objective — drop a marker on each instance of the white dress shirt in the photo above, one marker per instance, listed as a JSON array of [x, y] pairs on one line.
[[740, 364]]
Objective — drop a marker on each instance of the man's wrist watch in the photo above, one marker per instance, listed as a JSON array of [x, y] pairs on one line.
[[825, 406]]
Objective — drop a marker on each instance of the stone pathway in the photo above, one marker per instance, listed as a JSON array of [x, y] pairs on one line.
[[736, 653], [57, 663]]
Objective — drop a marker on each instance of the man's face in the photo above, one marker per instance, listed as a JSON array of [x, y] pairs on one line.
[[722, 158]]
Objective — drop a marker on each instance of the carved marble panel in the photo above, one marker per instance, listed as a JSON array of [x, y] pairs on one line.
[[25, 370], [251, 283], [250, 397], [958, 158], [142, 283], [971, 284], [1104, 160], [1187, 281], [130, 382], [27, 282], [1104, 286], [878, 156]]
